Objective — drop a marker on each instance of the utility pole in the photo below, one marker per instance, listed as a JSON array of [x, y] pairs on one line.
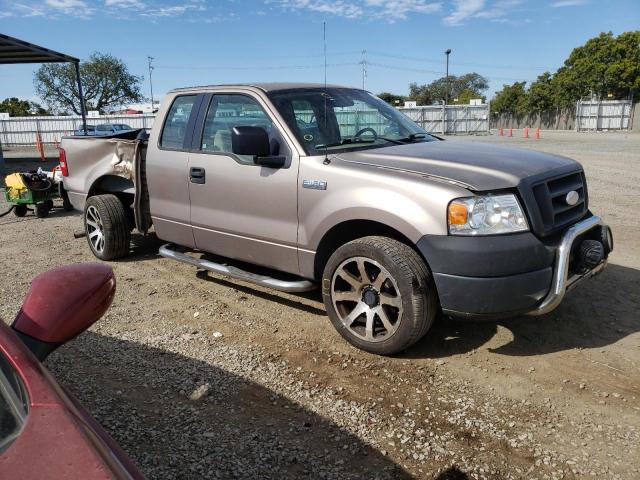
[[364, 69], [151, 67], [446, 95]]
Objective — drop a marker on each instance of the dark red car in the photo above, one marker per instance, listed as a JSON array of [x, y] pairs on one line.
[[44, 432]]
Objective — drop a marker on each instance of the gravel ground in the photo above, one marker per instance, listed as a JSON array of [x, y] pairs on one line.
[[198, 376]]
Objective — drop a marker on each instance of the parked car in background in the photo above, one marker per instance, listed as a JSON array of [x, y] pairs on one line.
[[103, 129], [91, 130], [44, 432], [334, 188]]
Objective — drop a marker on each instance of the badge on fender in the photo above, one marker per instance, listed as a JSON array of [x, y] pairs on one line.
[[314, 184]]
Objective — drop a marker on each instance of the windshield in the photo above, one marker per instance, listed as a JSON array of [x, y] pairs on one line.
[[342, 119]]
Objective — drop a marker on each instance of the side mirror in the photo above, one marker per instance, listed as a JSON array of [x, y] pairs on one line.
[[62, 303], [254, 141]]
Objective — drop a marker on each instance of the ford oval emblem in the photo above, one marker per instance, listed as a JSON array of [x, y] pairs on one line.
[[572, 198]]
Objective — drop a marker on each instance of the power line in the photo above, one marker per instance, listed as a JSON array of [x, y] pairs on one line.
[[434, 72], [259, 67], [465, 64]]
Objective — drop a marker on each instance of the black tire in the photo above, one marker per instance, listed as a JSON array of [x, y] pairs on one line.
[[410, 279], [42, 210], [20, 210], [113, 225], [49, 204]]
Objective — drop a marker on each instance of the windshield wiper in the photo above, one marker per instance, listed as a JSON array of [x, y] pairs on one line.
[[412, 137], [399, 141], [345, 141]]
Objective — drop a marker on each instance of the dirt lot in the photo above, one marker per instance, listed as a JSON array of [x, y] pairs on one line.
[[280, 395]]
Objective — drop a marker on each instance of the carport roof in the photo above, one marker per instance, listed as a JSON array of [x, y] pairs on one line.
[[13, 51]]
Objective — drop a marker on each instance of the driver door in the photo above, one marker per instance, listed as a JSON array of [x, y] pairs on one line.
[[239, 209]]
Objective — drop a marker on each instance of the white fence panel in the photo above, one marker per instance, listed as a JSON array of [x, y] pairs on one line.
[[452, 119], [594, 115], [19, 131]]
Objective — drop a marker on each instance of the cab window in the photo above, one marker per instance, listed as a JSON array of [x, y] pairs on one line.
[[175, 124], [226, 112]]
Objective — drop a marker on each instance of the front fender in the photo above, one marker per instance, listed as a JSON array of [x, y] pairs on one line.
[[382, 205]]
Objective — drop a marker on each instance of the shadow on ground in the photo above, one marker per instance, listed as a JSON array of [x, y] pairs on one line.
[[599, 312], [239, 429]]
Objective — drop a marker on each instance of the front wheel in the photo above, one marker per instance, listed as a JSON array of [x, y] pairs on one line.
[[379, 294], [107, 227]]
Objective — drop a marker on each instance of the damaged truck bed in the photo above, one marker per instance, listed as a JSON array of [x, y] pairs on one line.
[[109, 164]]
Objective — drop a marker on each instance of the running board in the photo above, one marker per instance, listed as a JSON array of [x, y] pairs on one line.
[[291, 286]]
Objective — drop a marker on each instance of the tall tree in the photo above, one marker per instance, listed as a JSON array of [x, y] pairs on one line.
[[542, 94], [16, 107], [605, 65], [435, 92], [106, 82], [512, 99]]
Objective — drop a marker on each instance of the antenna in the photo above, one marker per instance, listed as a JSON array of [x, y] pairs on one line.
[[324, 45]]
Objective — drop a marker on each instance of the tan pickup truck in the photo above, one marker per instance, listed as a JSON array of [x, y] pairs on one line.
[[332, 187]]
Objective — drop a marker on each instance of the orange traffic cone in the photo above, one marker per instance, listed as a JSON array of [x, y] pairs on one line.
[[525, 132], [537, 134], [500, 132], [511, 132]]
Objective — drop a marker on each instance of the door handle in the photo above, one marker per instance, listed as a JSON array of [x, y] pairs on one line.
[[196, 175]]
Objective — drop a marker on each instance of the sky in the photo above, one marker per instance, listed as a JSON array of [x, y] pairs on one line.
[[200, 42]]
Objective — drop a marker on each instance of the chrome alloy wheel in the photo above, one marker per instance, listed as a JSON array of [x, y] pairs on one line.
[[95, 230], [366, 298]]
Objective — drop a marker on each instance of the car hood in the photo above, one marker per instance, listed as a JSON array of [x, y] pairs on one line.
[[477, 166]]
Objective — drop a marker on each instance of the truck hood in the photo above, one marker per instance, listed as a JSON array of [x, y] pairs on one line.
[[477, 166]]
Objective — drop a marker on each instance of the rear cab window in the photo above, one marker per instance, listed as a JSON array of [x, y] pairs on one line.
[[174, 129]]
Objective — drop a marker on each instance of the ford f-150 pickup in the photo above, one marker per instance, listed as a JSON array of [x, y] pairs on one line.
[[326, 186]]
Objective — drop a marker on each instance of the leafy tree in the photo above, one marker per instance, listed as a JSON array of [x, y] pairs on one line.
[[106, 82], [512, 99], [392, 98], [604, 65], [16, 107], [465, 97], [542, 94], [435, 92]]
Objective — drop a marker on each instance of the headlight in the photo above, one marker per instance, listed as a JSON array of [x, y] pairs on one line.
[[486, 215]]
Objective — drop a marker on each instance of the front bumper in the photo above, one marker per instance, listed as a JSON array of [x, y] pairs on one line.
[[506, 275]]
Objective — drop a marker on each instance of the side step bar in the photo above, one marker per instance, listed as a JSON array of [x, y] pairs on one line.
[[291, 286]]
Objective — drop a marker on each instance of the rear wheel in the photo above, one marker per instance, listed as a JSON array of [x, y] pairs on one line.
[[379, 294], [42, 210], [20, 210], [107, 227]]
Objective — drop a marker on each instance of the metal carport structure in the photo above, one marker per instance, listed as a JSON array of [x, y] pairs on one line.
[[15, 51]]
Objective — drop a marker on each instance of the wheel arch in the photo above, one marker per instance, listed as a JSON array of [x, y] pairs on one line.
[[349, 230], [121, 187]]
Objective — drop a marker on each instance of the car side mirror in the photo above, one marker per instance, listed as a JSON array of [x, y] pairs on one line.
[[254, 141], [62, 303]]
